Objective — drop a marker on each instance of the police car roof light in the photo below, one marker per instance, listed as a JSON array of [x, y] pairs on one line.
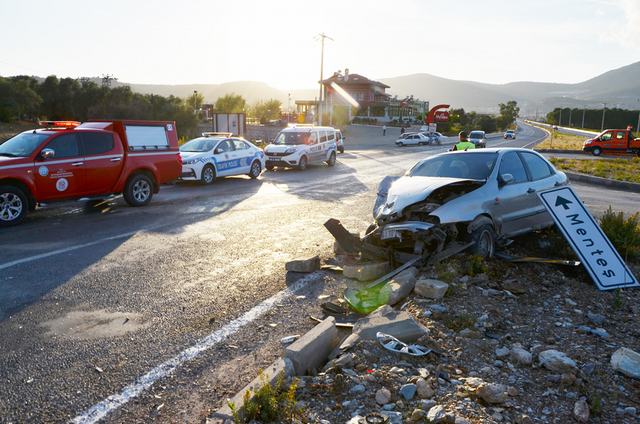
[[216, 134], [59, 124]]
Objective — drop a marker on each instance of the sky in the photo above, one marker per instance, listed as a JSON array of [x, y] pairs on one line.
[[198, 41]]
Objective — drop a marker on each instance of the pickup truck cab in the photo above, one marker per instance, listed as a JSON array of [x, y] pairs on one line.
[[68, 160], [613, 141]]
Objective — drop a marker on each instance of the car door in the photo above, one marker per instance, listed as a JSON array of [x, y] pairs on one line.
[[606, 141], [511, 203], [104, 159], [223, 157], [621, 139], [541, 177], [315, 150], [244, 154], [61, 176]]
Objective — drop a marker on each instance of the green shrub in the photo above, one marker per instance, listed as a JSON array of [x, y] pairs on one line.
[[623, 232]]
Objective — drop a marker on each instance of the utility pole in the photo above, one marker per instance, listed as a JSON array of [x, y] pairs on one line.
[[603, 110], [560, 118], [570, 111], [583, 111], [322, 36]]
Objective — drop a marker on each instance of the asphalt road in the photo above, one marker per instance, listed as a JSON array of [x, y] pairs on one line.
[[92, 298]]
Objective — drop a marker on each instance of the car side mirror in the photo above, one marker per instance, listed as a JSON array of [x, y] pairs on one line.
[[505, 179], [217, 151], [47, 153]]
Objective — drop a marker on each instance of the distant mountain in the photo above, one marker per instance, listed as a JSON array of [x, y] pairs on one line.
[[618, 88]]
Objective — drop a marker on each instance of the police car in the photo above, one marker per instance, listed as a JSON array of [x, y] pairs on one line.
[[300, 145], [219, 155]]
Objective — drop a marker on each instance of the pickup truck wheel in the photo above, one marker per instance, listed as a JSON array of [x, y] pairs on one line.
[[596, 151], [332, 159], [13, 205], [208, 175], [302, 165], [485, 241], [255, 170], [139, 190]]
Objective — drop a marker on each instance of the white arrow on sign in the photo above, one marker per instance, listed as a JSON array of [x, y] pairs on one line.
[[599, 257]]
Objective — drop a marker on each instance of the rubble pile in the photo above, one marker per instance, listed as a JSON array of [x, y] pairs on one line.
[[509, 342]]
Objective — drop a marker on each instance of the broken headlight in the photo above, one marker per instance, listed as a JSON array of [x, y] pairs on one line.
[[424, 207]]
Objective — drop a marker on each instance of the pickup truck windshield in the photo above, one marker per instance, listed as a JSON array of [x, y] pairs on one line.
[[22, 145], [199, 145], [475, 166], [292, 138]]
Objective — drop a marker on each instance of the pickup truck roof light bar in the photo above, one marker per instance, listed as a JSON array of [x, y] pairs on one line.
[[59, 124]]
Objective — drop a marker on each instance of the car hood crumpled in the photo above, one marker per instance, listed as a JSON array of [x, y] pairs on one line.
[[406, 191]]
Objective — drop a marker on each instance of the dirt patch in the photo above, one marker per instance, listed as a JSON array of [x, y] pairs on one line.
[[84, 325]]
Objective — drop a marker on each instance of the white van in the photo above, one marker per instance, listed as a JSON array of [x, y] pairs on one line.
[[300, 145]]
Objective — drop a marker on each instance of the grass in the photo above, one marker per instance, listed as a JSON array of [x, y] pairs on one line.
[[624, 232], [615, 169], [560, 141]]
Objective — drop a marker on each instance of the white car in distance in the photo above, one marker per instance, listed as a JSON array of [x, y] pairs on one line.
[[416, 139], [219, 155]]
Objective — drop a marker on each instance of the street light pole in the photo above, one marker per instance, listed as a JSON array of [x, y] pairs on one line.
[[320, 97], [583, 111], [603, 110]]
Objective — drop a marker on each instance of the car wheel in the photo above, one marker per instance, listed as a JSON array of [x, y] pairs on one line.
[[302, 165], [13, 205], [400, 144], [208, 174], [139, 190], [484, 238], [596, 151], [256, 169], [341, 149], [332, 159]]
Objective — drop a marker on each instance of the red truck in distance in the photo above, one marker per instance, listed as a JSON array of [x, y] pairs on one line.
[[613, 142], [68, 160]]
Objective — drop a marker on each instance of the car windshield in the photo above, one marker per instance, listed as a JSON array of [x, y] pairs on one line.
[[476, 166], [476, 134], [509, 131], [291, 138], [22, 145], [199, 145]]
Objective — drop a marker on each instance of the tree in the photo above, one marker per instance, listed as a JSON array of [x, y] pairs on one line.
[[231, 103], [266, 111], [196, 100], [508, 113]]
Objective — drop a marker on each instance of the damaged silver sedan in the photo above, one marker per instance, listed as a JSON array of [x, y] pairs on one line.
[[482, 196]]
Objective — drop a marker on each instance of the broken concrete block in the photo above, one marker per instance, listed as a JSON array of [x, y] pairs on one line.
[[627, 362], [338, 250], [401, 285], [430, 288], [399, 324], [365, 271], [554, 360], [304, 265], [311, 350], [268, 376]]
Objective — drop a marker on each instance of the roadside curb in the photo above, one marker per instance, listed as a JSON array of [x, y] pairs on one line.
[[575, 152], [606, 182]]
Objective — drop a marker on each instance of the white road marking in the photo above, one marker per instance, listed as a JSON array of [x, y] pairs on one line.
[[115, 401]]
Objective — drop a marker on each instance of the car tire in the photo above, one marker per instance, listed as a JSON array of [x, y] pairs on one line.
[[332, 159], [484, 238], [302, 165], [14, 205], [208, 175], [255, 170], [139, 190], [341, 149], [596, 151], [400, 144]]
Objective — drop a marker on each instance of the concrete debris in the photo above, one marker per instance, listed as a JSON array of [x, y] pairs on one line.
[[430, 288], [556, 361], [365, 271], [304, 265], [402, 285], [399, 324], [627, 362], [310, 351], [492, 392], [581, 411], [383, 396]]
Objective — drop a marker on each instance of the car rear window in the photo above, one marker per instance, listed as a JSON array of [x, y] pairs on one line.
[[96, 143]]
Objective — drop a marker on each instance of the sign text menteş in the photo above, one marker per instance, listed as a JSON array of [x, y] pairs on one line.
[[600, 258]]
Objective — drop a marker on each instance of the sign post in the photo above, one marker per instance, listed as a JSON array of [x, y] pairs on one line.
[[601, 260]]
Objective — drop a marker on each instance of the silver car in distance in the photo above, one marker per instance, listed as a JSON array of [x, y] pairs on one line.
[[486, 196]]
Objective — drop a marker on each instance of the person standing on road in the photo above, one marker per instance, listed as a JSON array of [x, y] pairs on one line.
[[463, 143], [401, 130], [384, 130]]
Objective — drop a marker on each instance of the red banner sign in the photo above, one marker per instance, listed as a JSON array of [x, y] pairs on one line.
[[441, 116]]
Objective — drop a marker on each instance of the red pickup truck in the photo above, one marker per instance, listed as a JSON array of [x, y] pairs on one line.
[[69, 160], [613, 141]]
